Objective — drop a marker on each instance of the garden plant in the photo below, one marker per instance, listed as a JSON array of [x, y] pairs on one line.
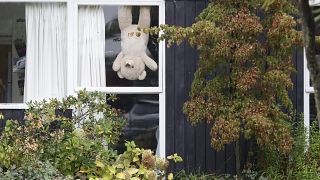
[[74, 138]]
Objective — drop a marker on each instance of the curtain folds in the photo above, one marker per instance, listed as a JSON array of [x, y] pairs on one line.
[[46, 64], [91, 47]]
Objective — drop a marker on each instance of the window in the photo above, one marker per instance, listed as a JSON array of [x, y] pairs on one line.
[[12, 52], [309, 102], [34, 65], [33, 51]]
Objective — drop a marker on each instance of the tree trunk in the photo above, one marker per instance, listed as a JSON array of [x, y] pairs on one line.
[[308, 26]]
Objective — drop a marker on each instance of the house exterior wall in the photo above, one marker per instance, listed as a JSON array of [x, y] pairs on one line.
[[193, 143]]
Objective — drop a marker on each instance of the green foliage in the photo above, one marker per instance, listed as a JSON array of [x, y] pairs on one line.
[[51, 145], [243, 77], [183, 175], [68, 143], [133, 164], [301, 163], [34, 171]]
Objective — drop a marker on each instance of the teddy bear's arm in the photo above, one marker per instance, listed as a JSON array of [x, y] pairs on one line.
[[144, 18], [124, 16], [150, 63], [117, 63]]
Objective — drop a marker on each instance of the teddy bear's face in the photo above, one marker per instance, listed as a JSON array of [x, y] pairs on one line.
[[132, 67], [133, 41]]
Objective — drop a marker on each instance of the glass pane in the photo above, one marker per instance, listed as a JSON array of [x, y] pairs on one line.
[[12, 52], [313, 110], [142, 113], [41, 27], [113, 48]]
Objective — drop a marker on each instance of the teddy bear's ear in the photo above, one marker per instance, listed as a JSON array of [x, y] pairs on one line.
[[124, 16], [144, 18]]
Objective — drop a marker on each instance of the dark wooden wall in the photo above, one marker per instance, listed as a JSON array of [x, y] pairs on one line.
[[193, 143]]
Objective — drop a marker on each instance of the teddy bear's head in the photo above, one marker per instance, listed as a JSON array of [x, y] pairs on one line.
[[132, 68], [131, 61]]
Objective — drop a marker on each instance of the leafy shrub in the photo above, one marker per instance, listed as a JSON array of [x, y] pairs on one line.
[[35, 171], [301, 163], [69, 143], [49, 144], [134, 164]]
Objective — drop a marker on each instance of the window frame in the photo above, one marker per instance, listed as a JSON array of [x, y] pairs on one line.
[[72, 40], [307, 88]]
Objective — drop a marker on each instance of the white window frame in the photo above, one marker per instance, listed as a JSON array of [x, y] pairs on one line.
[[308, 89], [72, 44]]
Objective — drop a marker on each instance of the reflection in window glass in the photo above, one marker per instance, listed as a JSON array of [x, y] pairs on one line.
[[142, 113], [12, 52], [113, 47], [313, 110]]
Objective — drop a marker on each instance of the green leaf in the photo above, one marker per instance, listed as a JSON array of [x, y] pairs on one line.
[[135, 159], [112, 170], [132, 171], [134, 178], [99, 164], [121, 176]]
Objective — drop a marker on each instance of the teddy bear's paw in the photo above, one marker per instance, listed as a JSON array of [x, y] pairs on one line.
[[120, 75], [153, 65], [116, 66], [150, 63], [142, 75]]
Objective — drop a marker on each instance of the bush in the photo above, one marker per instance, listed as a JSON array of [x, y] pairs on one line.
[[69, 143], [38, 170], [49, 144], [134, 164], [301, 163]]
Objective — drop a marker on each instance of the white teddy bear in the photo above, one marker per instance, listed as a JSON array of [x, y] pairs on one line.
[[130, 62]]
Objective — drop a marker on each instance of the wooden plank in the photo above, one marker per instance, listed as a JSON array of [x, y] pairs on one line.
[[211, 154], [18, 114], [200, 130], [230, 159], [190, 62], [243, 150], [179, 86], [170, 101]]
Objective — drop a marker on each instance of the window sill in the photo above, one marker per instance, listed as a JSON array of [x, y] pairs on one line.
[[4, 106]]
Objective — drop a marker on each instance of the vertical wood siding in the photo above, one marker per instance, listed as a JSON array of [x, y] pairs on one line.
[[193, 143]]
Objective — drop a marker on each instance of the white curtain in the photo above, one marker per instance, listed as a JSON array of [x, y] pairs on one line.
[[91, 44], [46, 64]]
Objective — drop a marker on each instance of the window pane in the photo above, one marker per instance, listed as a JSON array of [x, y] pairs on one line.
[[113, 48], [12, 52], [42, 28], [142, 113], [313, 109]]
